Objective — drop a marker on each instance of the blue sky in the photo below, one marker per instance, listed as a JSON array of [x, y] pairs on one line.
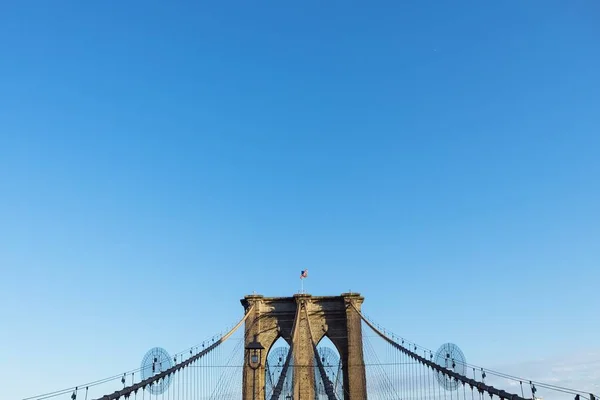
[[159, 160]]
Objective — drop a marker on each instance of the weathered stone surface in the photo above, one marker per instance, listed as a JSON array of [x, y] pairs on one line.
[[331, 316]]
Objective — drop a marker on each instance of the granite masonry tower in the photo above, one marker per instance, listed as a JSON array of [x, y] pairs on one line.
[[302, 320]]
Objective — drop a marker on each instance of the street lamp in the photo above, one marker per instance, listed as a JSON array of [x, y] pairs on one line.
[[254, 352]]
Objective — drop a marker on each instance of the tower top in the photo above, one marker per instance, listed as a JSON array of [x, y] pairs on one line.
[[254, 298]]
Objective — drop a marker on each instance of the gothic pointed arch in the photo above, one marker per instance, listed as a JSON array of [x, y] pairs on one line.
[[316, 317]]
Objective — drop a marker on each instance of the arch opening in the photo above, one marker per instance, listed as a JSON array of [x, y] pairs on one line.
[[274, 368], [332, 363]]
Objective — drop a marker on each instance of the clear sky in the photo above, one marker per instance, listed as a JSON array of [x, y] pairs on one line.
[[159, 160]]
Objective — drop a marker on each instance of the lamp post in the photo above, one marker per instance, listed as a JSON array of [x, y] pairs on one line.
[[254, 353]]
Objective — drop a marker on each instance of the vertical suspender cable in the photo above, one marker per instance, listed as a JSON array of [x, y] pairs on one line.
[[451, 385], [437, 373], [421, 366], [429, 381], [421, 388], [413, 385]]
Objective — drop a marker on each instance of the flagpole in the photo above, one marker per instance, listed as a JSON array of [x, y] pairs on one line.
[[303, 276]]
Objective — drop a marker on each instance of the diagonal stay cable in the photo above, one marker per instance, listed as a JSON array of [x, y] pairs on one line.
[[126, 392], [481, 387], [226, 376], [386, 383], [583, 395], [99, 382]]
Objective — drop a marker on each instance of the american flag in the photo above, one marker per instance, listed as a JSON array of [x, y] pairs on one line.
[[304, 274]]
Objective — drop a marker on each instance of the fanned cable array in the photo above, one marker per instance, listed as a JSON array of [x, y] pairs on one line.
[[404, 370], [201, 372], [394, 368]]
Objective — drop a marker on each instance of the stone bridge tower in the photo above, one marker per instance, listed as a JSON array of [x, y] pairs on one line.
[[331, 316]]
